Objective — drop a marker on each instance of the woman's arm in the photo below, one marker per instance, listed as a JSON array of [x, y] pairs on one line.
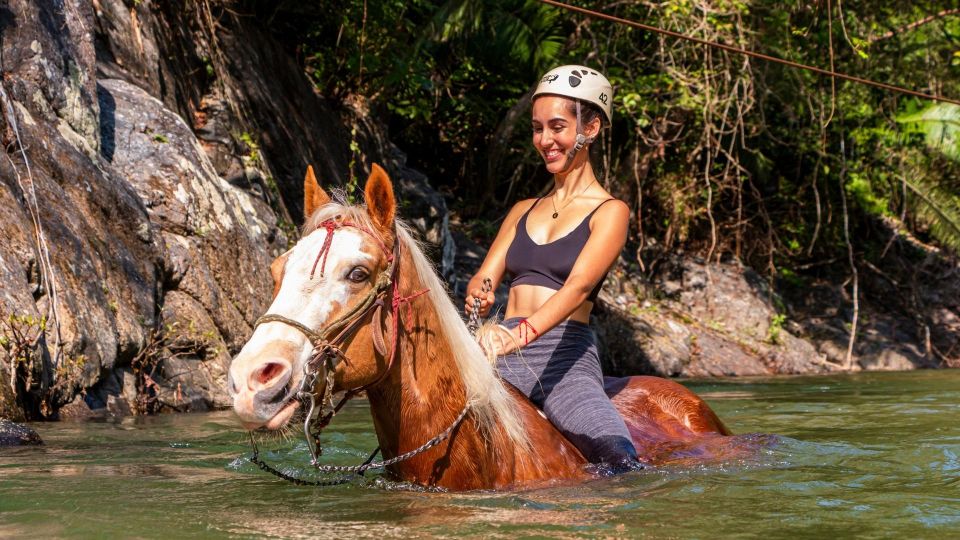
[[608, 235], [494, 264]]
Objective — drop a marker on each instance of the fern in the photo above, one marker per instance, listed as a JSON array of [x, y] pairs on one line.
[[940, 209], [940, 126], [524, 32]]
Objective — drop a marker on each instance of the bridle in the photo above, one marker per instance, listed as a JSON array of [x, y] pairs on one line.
[[328, 354]]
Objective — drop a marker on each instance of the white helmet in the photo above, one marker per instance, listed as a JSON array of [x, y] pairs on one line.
[[579, 82]]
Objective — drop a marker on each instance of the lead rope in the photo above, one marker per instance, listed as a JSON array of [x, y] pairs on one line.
[[370, 464], [474, 321], [354, 469], [264, 466]]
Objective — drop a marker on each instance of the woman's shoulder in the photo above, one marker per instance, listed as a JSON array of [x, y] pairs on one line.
[[612, 206], [611, 210], [520, 208], [524, 205]]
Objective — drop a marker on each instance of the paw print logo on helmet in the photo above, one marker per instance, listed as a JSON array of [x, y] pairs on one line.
[[578, 82], [577, 75]]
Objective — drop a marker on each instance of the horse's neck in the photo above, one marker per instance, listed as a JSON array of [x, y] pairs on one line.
[[423, 395]]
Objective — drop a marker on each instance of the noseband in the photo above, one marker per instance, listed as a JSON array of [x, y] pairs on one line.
[[327, 354]]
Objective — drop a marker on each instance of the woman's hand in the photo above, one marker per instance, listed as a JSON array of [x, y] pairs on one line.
[[504, 341], [486, 301]]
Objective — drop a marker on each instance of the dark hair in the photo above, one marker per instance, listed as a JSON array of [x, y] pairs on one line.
[[588, 111]]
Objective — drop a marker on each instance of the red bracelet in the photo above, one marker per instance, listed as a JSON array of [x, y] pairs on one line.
[[526, 324]]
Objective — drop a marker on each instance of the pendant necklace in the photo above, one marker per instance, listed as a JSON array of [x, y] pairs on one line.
[[556, 211]]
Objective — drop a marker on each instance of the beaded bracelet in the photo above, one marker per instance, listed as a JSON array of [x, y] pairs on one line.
[[524, 324]]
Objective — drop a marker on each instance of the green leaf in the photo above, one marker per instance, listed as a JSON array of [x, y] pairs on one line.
[[940, 125]]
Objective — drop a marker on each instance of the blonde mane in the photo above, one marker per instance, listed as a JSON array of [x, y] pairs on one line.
[[490, 402]]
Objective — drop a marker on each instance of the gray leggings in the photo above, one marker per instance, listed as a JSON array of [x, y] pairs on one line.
[[560, 373]]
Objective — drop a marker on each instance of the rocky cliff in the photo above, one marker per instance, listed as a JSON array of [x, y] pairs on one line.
[[154, 153]]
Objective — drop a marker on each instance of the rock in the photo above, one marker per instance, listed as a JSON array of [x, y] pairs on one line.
[[890, 358], [640, 342], [78, 410], [728, 297], [145, 223], [8, 402], [12, 434], [102, 268], [720, 357], [697, 320], [192, 377], [118, 407], [890, 334]]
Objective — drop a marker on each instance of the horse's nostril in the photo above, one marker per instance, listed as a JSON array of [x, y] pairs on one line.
[[268, 373]]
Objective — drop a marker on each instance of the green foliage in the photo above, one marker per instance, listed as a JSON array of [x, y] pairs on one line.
[[940, 126], [36, 383], [775, 328], [253, 149], [869, 200], [729, 155], [940, 208]]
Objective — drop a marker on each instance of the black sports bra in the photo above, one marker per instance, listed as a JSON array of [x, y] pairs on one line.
[[548, 265]]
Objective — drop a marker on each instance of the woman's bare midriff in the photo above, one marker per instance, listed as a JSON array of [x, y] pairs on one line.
[[524, 300]]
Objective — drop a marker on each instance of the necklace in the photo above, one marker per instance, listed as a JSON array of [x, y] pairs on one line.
[[556, 211]]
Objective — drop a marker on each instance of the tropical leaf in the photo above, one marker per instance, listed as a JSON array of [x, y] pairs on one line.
[[940, 209], [455, 18], [524, 32], [940, 125]]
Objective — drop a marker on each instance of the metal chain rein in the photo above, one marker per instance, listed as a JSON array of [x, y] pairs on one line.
[[397, 459]]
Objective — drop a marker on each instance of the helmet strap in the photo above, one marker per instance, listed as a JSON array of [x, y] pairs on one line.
[[582, 140]]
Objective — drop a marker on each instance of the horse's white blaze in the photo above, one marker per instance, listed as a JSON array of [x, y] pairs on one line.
[[302, 299]]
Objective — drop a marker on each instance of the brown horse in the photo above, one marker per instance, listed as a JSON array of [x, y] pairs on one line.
[[358, 306]]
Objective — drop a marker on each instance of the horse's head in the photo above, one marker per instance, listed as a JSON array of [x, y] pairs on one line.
[[342, 263]]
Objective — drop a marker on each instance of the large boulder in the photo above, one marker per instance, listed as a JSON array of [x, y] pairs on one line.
[[256, 114], [12, 434], [698, 320], [79, 262], [215, 240], [108, 204]]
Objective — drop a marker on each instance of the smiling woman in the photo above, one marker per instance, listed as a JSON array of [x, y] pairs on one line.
[[557, 255]]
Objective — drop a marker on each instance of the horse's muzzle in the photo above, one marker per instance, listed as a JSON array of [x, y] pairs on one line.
[[261, 391]]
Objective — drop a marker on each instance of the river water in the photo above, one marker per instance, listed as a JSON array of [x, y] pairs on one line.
[[868, 455]]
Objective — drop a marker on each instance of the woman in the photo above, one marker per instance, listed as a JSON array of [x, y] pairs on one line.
[[557, 250]]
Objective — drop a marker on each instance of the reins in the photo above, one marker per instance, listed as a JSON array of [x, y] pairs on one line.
[[327, 355]]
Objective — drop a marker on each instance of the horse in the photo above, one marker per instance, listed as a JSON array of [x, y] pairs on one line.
[[357, 306]]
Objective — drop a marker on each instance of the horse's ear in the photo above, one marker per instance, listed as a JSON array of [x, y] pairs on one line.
[[313, 195], [379, 198]]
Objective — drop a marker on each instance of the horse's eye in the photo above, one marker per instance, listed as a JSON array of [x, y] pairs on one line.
[[359, 274]]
